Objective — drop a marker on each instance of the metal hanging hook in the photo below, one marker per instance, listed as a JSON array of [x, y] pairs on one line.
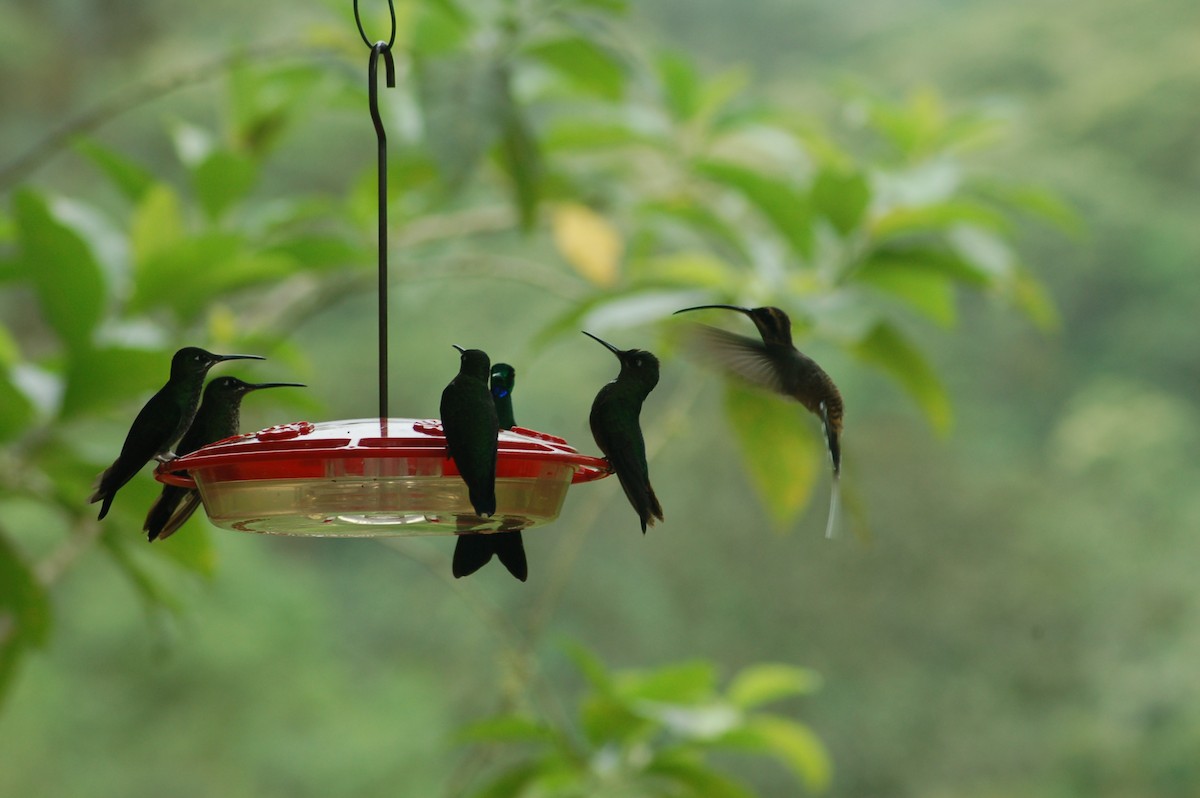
[[378, 49], [366, 40]]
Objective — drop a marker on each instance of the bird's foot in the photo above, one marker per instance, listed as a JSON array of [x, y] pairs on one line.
[[166, 457]]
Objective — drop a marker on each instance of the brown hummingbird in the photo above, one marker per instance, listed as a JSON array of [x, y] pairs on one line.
[[776, 364]]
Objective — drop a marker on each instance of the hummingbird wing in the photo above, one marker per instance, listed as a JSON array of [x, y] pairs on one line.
[[617, 429], [471, 428], [152, 433], [747, 358]]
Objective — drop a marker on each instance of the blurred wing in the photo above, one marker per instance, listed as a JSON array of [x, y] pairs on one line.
[[743, 357]]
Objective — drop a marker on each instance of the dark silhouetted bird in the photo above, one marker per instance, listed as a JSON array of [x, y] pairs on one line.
[[161, 422], [218, 418], [473, 551], [471, 426], [776, 364], [615, 426]]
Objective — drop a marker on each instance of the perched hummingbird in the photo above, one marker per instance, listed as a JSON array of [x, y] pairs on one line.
[[615, 426], [219, 417], [161, 422], [776, 364], [470, 424], [473, 551]]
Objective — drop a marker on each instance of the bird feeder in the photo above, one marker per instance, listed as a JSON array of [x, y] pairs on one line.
[[378, 476], [372, 477]]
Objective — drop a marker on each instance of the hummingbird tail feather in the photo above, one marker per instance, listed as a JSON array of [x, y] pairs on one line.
[[510, 549], [471, 552], [835, 509]]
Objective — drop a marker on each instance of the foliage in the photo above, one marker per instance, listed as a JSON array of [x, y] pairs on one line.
[[653, 732], [655, 185]]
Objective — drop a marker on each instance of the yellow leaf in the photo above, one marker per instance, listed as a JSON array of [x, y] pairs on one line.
[[589, 242]]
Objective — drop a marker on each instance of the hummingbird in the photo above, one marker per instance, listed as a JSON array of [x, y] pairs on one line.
[[618, 433], [218, 418], [161, 421], [776, 364], [471, 427], [473, 551]]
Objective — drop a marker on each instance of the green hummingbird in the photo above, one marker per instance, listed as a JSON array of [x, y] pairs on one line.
[[161, 422], [473, 551], [471, 427], [218, 418], [776, 364], [618, 433]]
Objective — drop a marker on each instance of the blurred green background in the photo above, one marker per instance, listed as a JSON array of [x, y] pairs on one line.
[[1012, 608]]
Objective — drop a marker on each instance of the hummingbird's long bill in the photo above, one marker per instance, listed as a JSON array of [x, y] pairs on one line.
[[222, 358], [611, 348], [705, 307], [459, 348], [260, 385]]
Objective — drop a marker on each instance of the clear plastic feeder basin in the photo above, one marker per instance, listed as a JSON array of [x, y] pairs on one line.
[[371, 477]]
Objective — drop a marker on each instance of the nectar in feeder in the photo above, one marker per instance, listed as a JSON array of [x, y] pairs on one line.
[[372, 477]]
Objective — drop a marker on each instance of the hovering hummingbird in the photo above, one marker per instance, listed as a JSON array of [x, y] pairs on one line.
[[218, 418], [618, 433], [776, 364], [161, 422], [473, 551], [471, 427]]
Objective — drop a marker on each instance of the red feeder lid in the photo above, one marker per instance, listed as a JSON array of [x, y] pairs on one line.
[[374, 476]]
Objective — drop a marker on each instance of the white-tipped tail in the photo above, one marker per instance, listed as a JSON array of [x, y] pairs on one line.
[[835, 509]]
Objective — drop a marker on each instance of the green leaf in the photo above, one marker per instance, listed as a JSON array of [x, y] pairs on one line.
[[793, 744], [590, 666], [937, 218], [699, 779], [189, 275], [24, 612], [696, 270], [131, 178], [463, 99], [222, 178], [767, 682], [929, 292], [703, 222], [320, 252], [70, 285], [112, 376], [575, 134], [507, 728], [929, 259], [785, 208], [522, 160], [512, 782], [680, 84], [157, 225], [16, 411], [842, 198], [440, 29], [888, 349], [780, 447], [682, 683], [1032, 297], [586, 64], [1037, 201]]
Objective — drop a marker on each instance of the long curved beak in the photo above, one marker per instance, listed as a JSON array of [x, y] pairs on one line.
[[726, 307], [611, 348], [459, 348], [260, 385], [221, 358]]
